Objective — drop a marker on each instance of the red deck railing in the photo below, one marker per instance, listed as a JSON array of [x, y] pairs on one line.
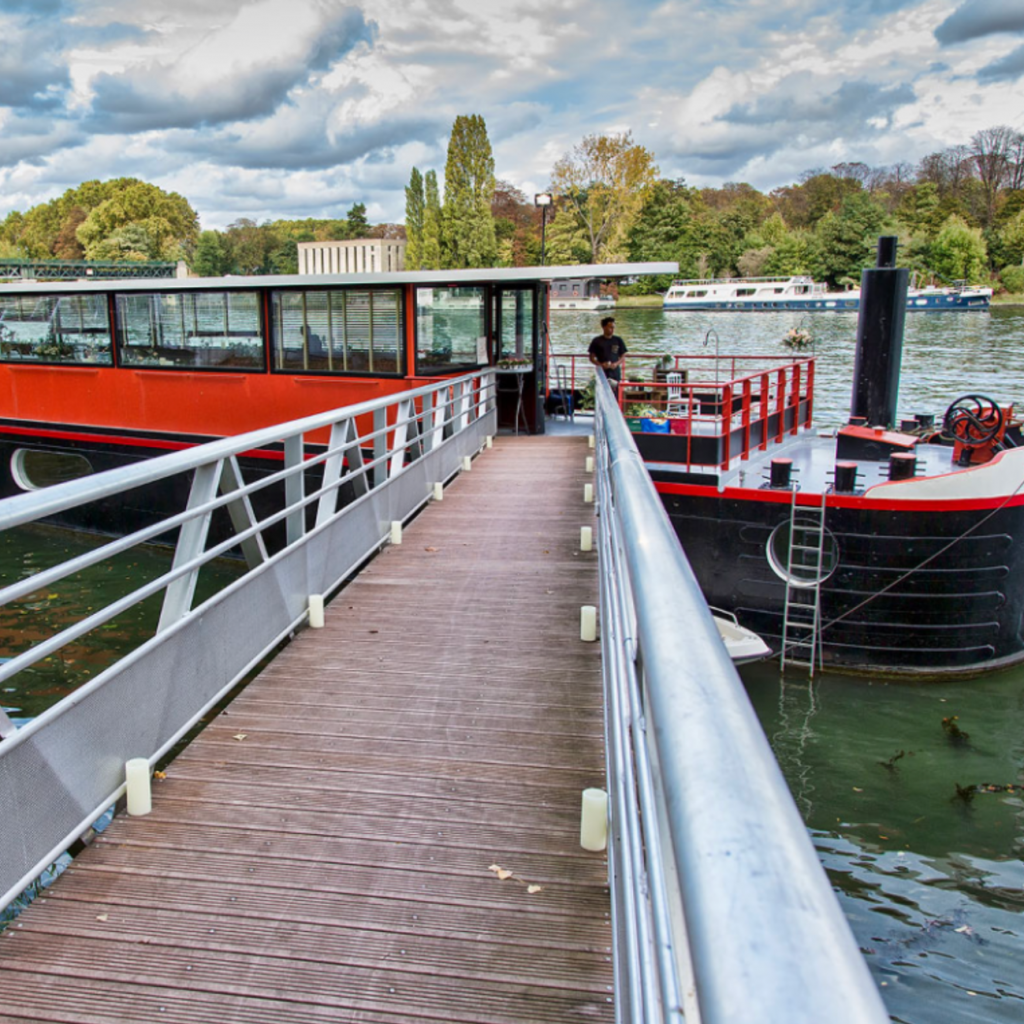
[[738, 403]]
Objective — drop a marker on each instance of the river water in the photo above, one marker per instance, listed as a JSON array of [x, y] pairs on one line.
[[932, 883]]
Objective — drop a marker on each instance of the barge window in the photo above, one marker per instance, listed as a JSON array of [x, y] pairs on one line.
[[55, 329], [342, 331], [451, 329], [190, 330]]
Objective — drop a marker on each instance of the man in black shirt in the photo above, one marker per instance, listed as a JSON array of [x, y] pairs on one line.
[[607, 350]]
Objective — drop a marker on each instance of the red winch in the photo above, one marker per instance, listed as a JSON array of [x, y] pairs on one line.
[[977, 424]]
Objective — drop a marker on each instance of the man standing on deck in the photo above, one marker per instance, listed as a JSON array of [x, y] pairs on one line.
[[607, 350]]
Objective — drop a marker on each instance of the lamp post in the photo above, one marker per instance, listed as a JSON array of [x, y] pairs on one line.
[[543, 200]]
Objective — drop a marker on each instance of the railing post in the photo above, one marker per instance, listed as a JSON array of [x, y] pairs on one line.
[[810, 392], [295, 486], [380, 444], [747, 391], [780, 404], [765, 410], [796, 399], [726, 423]]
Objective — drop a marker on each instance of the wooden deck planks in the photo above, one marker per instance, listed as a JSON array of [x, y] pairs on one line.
[[332, 864]]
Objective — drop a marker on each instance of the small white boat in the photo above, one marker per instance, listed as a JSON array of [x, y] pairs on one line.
[[742, 644]]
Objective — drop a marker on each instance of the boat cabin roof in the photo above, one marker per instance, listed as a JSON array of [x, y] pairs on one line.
[[428, 278]]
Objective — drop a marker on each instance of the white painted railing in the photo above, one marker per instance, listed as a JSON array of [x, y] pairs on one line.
[[722, 912]]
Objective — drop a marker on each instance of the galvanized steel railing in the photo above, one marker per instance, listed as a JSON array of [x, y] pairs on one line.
[[722, 911], [374, 464]]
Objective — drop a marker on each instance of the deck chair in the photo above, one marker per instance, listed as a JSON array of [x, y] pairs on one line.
[[675, 403]]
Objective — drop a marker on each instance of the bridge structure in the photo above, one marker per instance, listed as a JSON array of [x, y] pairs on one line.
[[373, 744], [74, 270]]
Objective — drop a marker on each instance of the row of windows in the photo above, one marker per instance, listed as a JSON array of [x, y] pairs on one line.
[[315, 331]]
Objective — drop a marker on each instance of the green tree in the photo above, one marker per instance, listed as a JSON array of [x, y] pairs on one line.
[[168, 219], [248, 246], [469, 238], [847, 240], [414, 210], [1011, 240], [959, 252], [604, 181], [356, 223], [211, 257], [430, 253], [132, 242]]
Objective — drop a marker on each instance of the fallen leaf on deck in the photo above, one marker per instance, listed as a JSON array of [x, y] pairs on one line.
[[159, 775], [501, 872], [239, 736], [102, 917], [531, 889]]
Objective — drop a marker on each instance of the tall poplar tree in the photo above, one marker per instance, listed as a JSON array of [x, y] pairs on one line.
[[469, 238], [414, 212], [430, 252]]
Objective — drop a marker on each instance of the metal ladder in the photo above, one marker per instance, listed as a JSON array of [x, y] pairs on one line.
[[801, 616]]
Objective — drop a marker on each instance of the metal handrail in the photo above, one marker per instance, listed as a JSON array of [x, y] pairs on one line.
[[59, 771], [699, 804]]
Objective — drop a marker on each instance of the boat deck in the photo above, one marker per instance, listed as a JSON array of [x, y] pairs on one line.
[[328, 848]]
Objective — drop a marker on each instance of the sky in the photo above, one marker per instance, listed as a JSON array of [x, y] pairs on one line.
[[268, 109]]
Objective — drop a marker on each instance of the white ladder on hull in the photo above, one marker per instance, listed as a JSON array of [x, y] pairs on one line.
[[801, 615]]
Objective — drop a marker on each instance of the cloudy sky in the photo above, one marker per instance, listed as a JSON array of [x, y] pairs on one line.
[[294, 108]]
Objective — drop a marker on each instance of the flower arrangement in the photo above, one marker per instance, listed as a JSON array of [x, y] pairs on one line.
[[513, 363], [797, 339]]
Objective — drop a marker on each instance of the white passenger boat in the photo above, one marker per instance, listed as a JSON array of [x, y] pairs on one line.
[[799, 292]]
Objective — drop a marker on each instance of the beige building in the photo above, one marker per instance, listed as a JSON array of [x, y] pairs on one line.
[[356, 256]]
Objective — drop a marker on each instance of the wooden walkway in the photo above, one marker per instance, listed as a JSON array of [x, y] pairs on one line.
[[327, 850]]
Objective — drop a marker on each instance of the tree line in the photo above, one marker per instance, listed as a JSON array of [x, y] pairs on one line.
[[959, 214]]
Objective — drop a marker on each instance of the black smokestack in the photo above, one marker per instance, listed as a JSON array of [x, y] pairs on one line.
[[876, 366]]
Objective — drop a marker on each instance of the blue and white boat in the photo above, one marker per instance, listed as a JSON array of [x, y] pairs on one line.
[[799, 292]]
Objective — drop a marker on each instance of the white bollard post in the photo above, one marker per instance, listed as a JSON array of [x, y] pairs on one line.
[[590, 440], [588, 623], [467, 463], [136, 773], [586, 538], [489, 441], [439, 491], [396, 531], [588, 494], [316, 611], [590, 463], [594, 820]]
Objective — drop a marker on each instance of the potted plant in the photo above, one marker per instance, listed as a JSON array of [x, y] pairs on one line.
[[513, 363], [653, 420], [798, 339]]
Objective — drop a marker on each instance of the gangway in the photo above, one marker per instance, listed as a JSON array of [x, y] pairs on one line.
[[708, 862]]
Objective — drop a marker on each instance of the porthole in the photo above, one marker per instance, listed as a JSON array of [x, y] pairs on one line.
[[802, 570], [33, 469]]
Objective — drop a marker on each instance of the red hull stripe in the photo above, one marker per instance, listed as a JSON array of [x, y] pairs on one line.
[[839, 500]]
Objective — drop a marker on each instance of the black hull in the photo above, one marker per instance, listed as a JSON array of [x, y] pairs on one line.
[[882, 609]]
